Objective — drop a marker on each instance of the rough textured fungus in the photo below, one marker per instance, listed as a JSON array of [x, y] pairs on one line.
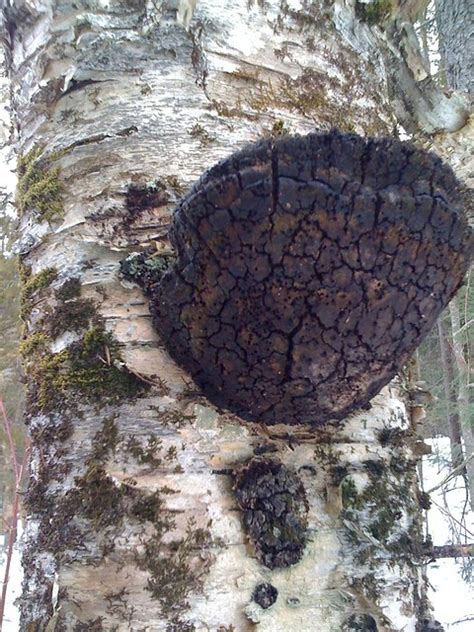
[[308, 270], [265, 595], [274, 505]]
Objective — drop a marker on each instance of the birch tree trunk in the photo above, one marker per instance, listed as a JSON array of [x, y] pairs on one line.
[[132, 519]]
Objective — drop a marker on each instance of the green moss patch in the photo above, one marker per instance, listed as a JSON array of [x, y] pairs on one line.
[[32, 285], [39, 189], [87, 367], [72, 316]]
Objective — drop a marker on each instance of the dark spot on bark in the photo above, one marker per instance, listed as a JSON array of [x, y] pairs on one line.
[[429, 625], [424, 500], [374, 468], [274, 506], [265, 595], [144, 196], [392, 436], [338, 473], [361, 623], [265, 448], [308, 270], [293, 602]]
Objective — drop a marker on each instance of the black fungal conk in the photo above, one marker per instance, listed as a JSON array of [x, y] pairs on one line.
[[307, 271], [274, 506], [265, 595]]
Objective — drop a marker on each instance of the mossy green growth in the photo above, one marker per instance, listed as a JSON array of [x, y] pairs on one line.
[[70, 289], [279, 128], [87, 367], [31, 284], [71, 313], [147, 454], [106, 440], [172, 577], [374, 12], [39, 188], [92, 367], [98, 498], [350, 497], [33, 344], [72, 316]]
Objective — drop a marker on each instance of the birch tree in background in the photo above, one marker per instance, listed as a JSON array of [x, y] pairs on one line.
[[455, 27], [133, 518]]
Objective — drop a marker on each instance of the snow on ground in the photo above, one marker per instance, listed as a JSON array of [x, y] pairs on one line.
[[451, 596], [12, 616]]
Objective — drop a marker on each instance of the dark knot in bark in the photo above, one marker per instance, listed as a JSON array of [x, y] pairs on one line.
[[265, 595], [274, 505], [360, 623], [308, 270]]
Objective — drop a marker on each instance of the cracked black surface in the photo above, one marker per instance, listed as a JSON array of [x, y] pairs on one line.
[[265, 595], [274, 505], [308, 270]]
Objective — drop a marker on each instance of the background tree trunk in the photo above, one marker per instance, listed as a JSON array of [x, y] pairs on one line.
[[459, 335], [451, 393], [454, 20], [455, 27], [133, 524]]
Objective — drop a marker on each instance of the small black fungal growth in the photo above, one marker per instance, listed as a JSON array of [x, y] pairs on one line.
[[338, 474], [360, 623], [429, 625], [145, 196], [265, 595], [274, 504], [293, 602], [392, 436], [424, 500], [308, 270], [373, 467]]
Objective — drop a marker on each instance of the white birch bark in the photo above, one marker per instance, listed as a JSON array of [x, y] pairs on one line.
[[138, 92]]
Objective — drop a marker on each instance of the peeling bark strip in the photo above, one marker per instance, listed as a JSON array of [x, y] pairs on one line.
[[308, 270]]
